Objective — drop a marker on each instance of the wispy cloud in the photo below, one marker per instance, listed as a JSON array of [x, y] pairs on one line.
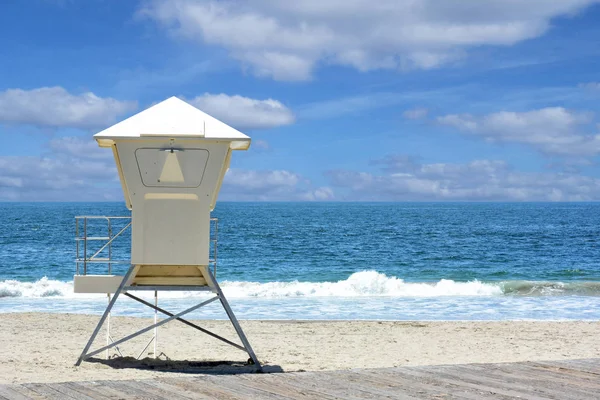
[[286, 40], [56, 107], [243, 112], [271, 185], [404, 179], [72, 168], [552, 130]]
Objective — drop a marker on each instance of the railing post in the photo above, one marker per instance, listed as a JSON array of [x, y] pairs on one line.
[[109, 246], [77, 243], [85, 245]]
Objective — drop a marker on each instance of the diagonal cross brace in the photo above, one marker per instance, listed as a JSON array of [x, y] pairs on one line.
[[164, 321], [188, 323]]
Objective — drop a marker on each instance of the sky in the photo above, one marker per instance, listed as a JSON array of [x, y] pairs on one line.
[[345, 100]]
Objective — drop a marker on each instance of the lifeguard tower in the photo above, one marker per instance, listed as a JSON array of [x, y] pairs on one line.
[[171, 160]]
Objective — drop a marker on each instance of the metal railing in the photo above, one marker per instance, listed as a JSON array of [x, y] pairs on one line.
[[83, 248]]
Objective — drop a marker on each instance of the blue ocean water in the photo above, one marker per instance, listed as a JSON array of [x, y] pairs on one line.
[[389, 261]]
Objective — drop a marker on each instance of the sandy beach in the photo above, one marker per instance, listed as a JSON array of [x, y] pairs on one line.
[[38, 347]]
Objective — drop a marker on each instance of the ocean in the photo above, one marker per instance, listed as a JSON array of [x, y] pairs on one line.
[[369, 261]]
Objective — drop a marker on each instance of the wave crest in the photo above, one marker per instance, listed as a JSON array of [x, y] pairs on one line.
[[359, 284], [364, 283], [42, 288]]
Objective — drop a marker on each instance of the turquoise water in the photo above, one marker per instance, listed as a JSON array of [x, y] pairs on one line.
[[344, 260]]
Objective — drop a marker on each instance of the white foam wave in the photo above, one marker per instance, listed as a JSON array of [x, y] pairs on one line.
[[359, 284], [42, 288], [364, 283]]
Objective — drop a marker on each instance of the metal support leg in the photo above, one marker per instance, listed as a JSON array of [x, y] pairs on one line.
[[104, 316], [108, 329], [233, 319], [155, 321]]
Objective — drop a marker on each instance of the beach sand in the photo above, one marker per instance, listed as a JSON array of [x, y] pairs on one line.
[[36, 347]]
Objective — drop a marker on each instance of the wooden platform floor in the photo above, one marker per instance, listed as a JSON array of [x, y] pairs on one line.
[[571, 379]]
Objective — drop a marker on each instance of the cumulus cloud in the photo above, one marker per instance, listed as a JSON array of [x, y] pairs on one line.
[[56, 107], [285, 40], [404, 179], [72, 169], [271, 185], [243, 112], [553, 130]]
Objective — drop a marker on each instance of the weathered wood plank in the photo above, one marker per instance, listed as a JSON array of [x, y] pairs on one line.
[[322, 383], [562, 383], [587, 366], [234, 385], [423, 384], [92, 389], [369, 389], [7, 392], [157, 391], [68, 392], [204, 388], [130, 391], [284, 383], [565, 380], [30, 394], [415, 388], [518, 381], [437, 374], [175, 389], [46, 391], [275, 386]]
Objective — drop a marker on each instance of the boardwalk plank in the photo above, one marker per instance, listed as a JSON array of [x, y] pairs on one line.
[[96, 389], [442, 375], [575, 365], [31, 394], [417, 388], [153, 391], [324, 383], [277, 386], [563, 383], [168, 391], [307, 389], [178, 390], [234, 385], [7, 392], [69, 392], [204, 388], [45, 391], [565, 380], [129, 390], [518, 381], [376, 389]]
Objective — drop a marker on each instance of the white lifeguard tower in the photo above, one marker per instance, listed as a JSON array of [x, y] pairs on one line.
[[171, 159]]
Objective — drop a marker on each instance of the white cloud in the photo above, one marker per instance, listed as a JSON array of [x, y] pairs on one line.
[[243, 112], [590, 85], [480, 180], [55, 107], [553, 130], [415, 113], [271, 185], [287, 39], [74, 169]]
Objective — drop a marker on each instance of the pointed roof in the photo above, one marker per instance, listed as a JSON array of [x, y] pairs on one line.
[[173, 118]]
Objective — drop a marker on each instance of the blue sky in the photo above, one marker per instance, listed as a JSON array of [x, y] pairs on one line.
[[421, 100]]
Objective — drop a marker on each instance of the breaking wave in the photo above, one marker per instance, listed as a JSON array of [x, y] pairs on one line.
[[359, 284]]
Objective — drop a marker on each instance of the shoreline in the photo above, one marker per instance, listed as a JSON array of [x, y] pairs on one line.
[[42, 347]]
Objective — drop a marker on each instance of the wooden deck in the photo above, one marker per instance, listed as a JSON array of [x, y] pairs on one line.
[[571, 379]]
